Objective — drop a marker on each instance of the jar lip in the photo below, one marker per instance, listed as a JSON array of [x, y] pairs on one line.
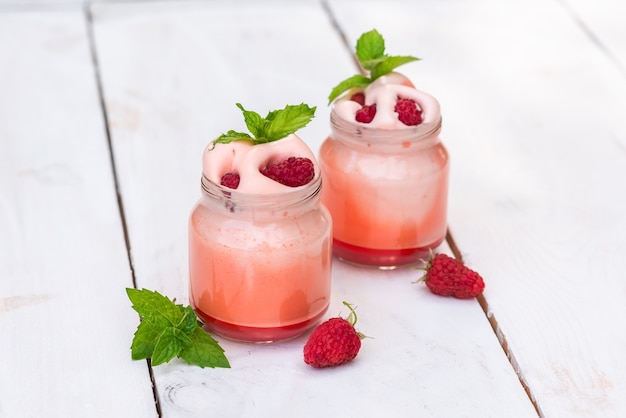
[[299, 194], [417, 132], [385, 140]]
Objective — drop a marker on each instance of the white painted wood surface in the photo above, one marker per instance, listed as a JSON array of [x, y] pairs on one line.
[[533, 95], [534, 109], [171, 77], [603, 21], [64, 318]]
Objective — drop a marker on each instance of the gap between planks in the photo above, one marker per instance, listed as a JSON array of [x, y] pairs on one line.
[[496, 328], [593, 37], [120, 204]]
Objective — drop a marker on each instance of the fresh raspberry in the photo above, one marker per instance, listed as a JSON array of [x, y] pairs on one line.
[[358, 97], [408, 112], [293, 172], [366, 113], [230, 180], [447, 276], [333, 342]]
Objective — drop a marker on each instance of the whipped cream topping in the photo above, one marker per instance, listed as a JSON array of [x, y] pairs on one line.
[[384, 92], [246, 159]]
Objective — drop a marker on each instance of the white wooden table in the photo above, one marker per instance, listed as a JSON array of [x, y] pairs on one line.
[[105, 108]]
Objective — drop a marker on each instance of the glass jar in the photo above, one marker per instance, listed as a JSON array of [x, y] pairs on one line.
[[386, 189], [260, 264]]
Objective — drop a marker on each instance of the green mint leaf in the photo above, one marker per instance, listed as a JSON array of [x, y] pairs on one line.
[[145, 339], [370, 46], [229, 137], [189, 321], [255, 122], [370, 50], [168, 330], [283, 122], [148, 303], [354, 81], [389, 63], [371, 64], [167, 347], [204, 351], [183, 337], [276, 125]]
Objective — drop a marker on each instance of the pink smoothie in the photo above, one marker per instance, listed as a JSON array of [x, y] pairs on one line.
[[386, 190], [260, 255]]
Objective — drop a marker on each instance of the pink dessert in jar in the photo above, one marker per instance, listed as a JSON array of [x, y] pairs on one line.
[[384, 167], [260, 246]]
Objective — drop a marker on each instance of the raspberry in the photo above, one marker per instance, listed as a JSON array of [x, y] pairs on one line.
[[408, 112], [230, 180], [366, 113], [447, 276], [333, 342], [358, 97], [293, 172]]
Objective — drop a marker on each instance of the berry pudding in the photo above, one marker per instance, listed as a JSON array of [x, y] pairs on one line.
[[384, 168], [260, 245]]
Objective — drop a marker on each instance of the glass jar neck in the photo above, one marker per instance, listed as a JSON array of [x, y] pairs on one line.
[[291, 202], [413, 137]]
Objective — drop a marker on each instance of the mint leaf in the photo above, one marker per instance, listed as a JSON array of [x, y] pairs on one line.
[[189, 321], [276, 125], [148, 303], [370, 51], [389, 63], [283, 122], [254, 121], [167, 347], [370, 47], [371, 64], [229, 137], [354, 81], [168, 330], [145, 339], [204, 352]]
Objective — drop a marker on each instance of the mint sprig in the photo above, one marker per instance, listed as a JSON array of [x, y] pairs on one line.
[[168, 330], [370, 51], [276, 125]]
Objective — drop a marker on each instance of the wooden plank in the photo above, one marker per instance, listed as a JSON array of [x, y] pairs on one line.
[[64, 315], [533, 117], [172, 73]]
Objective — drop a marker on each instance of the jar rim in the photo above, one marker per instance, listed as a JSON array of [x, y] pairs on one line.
[[232, 198]]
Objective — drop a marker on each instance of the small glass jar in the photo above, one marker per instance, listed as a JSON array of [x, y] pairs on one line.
[[386, 189], [260, 264]]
